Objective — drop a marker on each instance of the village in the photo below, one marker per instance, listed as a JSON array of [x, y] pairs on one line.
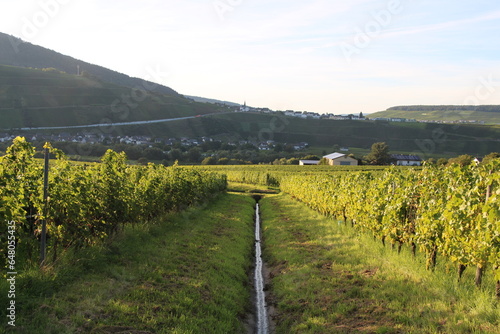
[[347, 117]]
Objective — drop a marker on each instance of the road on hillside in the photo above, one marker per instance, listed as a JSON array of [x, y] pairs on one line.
[[110, 124]]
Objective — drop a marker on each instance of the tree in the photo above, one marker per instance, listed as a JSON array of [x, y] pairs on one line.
[[223, 161], [431, 161], [323, 161], [311, 157], [278, 148], [209, 161], [175, 154], [154, 153], [379, 154], [491, 156], [442, 161], [289, 148], [194, 154], [142, 161], [462, 160]]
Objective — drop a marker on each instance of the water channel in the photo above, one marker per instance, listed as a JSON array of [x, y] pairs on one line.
[[262, 326]]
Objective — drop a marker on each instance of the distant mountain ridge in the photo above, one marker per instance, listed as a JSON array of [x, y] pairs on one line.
[[16, 52]]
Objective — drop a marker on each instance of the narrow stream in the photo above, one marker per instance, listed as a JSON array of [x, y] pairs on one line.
[[262, 321]]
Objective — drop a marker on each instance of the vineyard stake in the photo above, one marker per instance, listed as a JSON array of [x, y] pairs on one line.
[[45, 196]]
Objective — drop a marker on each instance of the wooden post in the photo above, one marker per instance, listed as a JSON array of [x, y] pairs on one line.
[[43, 245]]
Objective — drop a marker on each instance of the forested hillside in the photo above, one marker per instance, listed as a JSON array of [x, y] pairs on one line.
[[49, 97], [15, 52]]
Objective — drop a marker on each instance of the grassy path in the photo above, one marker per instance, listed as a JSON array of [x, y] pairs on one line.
[[186, 274], [327, 279]]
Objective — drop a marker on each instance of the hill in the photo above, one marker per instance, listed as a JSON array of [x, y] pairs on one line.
[[424, 139], [420, 138], [15, 52], [447, 113], [48, 97]]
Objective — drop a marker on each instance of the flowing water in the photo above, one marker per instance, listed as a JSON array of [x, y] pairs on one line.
[[262, 321]]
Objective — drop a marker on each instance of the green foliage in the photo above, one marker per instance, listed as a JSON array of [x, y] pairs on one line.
[[323, 161], [379, 154], [209, 161], [491, 156], [463, 160], [442, 161], [68, 100], [311, 157], [486, 108], [89, 204], [330, 278], [448, 113], [182, 273], [452, 211]]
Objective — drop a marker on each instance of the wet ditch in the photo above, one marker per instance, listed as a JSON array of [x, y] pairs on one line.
[[259, 321]]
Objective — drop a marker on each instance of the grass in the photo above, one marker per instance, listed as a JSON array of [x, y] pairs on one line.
[[441, 115], [235, 187], [188, 273], [328, 279]]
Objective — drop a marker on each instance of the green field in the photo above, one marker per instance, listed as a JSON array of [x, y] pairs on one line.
[[441, 115]]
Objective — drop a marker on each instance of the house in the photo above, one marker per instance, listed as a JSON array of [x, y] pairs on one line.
[[300, 146], [340, 159], [407, 160]]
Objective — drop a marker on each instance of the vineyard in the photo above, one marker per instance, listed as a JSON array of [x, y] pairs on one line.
[[88, 204], [452, 212], [133, 219]]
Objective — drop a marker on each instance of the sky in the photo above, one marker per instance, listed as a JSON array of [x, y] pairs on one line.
[[322, 56]]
